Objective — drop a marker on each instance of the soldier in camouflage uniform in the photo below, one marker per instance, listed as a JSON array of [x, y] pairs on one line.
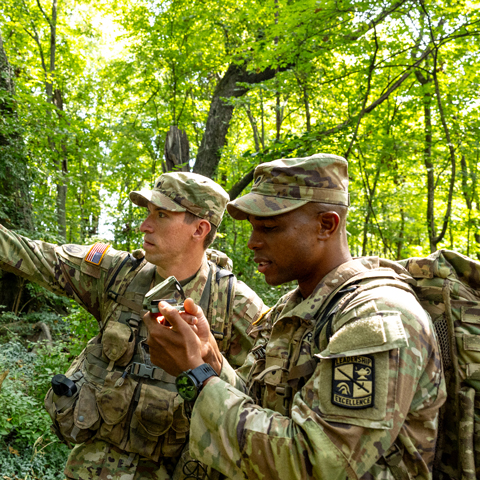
[[345, 380], [126, 417]]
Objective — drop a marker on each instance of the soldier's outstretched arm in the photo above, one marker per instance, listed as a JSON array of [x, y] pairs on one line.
[[63, 270]]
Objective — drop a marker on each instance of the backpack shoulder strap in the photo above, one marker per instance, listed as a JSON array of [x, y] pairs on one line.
[[135, 280], [344, 294]]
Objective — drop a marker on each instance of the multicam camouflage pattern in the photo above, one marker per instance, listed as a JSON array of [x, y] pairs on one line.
[[158, 427], [448, 286], [101, 460], [284, 185], [180, 192], [285, 425]]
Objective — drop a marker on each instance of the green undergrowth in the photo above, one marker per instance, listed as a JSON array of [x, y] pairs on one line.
[[28, 448]]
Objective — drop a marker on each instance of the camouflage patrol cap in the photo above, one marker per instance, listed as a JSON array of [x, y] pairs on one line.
[[284, 185], [185, 191]]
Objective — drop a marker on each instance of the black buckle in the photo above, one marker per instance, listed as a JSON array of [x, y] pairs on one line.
[[142, 370], [259, 352]]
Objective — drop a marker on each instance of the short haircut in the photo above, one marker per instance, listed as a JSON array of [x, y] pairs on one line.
[[210, 237]]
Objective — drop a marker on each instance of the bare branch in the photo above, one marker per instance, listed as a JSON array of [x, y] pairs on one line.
[[44, 14], [238, 188], [379, 100], [371, 69]]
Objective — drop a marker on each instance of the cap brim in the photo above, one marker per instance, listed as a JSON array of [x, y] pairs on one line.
[[158, 199], [262, 206]]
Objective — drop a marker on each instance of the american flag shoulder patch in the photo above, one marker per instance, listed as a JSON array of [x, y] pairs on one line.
[[96, 253]]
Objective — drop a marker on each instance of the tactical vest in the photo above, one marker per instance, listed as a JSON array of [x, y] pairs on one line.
[[121, 397]]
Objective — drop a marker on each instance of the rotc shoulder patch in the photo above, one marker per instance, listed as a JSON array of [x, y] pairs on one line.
[[96, 253], [353, 382]]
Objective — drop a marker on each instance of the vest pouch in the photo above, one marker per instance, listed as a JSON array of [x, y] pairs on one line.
[[152, 418], [61, 410], [140, 441], [176, 437], [155, 409], [79, 422], [466, 431], [86, 417], [113, 404], [65, 424], [119, 343]]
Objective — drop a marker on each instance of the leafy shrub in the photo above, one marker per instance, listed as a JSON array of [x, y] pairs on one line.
[[81, 328], [42, 461], [27, 447]]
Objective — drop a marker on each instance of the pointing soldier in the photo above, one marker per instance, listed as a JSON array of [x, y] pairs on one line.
[[124, 414], [345, 380]]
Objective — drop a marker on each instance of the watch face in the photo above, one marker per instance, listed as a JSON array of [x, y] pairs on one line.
[[186, 387]]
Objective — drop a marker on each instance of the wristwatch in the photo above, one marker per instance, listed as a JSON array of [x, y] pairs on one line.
[[190, 383]]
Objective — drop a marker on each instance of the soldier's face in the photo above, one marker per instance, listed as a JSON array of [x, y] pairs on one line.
[[166, 237], [286, 247]]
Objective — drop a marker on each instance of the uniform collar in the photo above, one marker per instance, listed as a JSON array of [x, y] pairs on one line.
[[194, 288], [305, 309]]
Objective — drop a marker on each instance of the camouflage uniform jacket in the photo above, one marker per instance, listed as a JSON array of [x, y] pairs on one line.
[[65, 271], [374, 391]]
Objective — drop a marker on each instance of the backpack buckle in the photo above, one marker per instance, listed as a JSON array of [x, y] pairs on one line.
[[259, 352], [284, 390]]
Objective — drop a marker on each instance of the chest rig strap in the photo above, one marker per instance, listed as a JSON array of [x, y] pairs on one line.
[[221, 291]]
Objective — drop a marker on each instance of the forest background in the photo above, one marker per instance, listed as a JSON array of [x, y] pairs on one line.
[[89, 90]]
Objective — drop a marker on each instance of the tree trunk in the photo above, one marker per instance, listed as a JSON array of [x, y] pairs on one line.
[[427, 159], [220, 114], [177, 151]]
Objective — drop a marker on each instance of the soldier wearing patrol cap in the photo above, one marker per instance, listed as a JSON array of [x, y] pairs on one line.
[[345, 380], [122, 412]]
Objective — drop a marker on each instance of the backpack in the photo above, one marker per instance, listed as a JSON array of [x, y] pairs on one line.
[[448, 288], [447, 285]]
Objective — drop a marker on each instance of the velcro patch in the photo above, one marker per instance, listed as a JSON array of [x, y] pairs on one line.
[[353, 382], [96, 253]]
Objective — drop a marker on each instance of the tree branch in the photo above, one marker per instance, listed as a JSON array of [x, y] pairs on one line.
[[371, 69], [44, 14], [238, 188], [379, 100]]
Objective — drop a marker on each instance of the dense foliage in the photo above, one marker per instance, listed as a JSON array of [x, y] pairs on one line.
[[89, 90]]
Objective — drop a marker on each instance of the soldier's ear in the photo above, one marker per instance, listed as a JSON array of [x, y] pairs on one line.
[[202, 230], [328, 224]]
